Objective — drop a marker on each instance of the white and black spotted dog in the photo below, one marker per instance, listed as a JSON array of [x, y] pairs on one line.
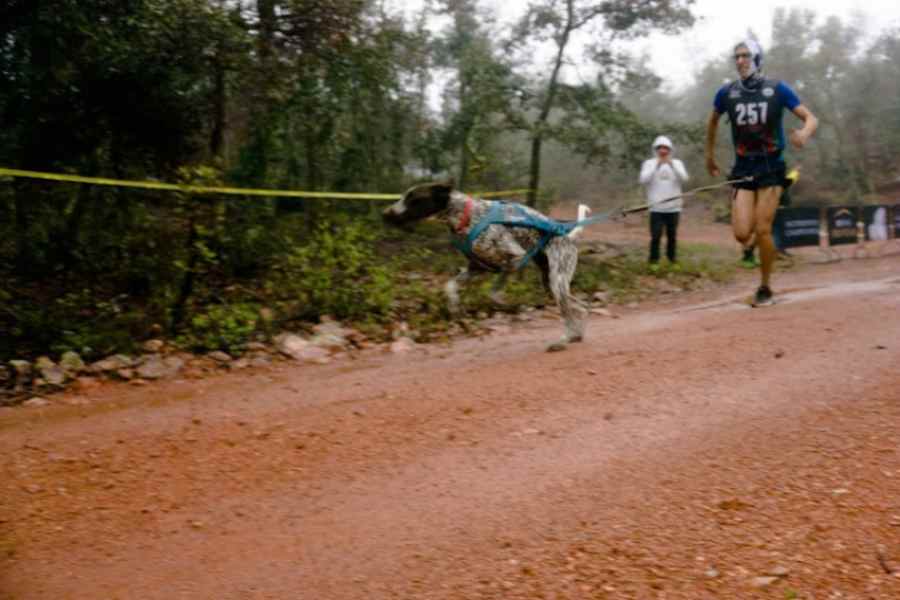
[[501, 237]]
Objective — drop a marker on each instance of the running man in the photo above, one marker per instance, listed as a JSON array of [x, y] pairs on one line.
[[755, 106]]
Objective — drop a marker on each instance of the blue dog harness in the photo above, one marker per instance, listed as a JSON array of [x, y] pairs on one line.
[[511, 214]]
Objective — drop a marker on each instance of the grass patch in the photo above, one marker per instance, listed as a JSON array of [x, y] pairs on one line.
[[421, 261]]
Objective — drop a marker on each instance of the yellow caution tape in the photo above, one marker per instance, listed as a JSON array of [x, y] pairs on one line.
[[193, 189], [201, 189]]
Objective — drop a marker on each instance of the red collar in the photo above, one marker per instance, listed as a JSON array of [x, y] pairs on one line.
[[466, 219]]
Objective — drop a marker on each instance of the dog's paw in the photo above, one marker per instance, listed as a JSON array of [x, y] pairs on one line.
[[558, 346]]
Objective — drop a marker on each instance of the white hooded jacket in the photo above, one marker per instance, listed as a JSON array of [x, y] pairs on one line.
[[663, 181]]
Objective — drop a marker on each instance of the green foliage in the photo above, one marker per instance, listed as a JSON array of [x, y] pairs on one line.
[[337, 272], [321, 95], [76, 321], [226, 327]]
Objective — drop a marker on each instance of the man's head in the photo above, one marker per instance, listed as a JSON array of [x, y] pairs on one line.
[[748, 58], [662, 146]]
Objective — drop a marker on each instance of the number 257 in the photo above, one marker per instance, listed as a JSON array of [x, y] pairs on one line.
[[752, 113]]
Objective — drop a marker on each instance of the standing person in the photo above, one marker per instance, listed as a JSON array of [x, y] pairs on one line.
[[755, 107], [662, 177]]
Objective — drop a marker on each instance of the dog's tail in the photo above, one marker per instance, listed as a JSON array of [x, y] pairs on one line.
[[583, 212]]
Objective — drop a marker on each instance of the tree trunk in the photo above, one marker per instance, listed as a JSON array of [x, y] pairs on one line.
[[540, 124], [217, 137], [265, 10], [534, 169], [187, 283], [219, 100], [464, 132], [67, 245], [24, 256]]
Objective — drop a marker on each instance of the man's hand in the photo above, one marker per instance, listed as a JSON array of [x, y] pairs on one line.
[[799, 138], [711, 167]]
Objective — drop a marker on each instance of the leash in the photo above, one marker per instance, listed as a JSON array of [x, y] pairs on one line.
[[625, 211], [550, 228], [693, 192], [791, 178]]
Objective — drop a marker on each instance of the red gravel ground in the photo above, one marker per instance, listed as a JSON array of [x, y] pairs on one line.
[[697, 449]]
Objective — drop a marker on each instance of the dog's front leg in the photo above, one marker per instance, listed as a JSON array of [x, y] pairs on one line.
[[452, 289]]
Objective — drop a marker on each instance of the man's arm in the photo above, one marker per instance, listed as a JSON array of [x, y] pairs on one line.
[[712, 130], [680, 171], [799, 137], [647, 171]]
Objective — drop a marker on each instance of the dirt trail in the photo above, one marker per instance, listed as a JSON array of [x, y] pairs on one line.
[[698, 449]]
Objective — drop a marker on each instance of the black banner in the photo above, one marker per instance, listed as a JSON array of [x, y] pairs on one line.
[[842, 225], [877, 220], [897, 221], [797, 226]]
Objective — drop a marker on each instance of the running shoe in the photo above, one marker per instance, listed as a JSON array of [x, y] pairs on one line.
[[763, 297], [748, 261]]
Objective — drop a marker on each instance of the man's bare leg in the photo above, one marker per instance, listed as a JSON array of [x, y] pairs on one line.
[[766, 205], [743, 216]]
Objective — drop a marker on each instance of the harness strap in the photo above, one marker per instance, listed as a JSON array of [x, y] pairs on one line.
[[549, 228]]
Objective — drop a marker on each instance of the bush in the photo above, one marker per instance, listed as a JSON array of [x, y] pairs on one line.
[[338, 273], [226, 327]]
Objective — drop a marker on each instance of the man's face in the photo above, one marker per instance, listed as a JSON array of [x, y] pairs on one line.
[[663, 151], [743, 61]]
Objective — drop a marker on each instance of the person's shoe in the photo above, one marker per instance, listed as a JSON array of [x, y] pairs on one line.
[[653, 267], [675, 267], [748, 261], [763, 297]]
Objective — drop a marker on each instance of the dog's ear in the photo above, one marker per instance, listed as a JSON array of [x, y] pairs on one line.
[[440, 195]]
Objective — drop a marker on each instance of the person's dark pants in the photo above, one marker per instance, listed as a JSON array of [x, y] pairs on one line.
[[658, 222]]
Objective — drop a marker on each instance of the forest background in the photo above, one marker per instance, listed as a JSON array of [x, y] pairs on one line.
[[350, 96]]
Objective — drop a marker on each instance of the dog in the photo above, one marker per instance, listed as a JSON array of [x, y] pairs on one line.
[[502, 237]]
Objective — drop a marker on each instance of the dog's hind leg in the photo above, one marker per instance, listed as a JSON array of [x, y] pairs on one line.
[[543, 263], [563, 259], [497, 295]]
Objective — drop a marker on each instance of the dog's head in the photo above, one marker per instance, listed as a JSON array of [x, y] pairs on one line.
[[419, 202]]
